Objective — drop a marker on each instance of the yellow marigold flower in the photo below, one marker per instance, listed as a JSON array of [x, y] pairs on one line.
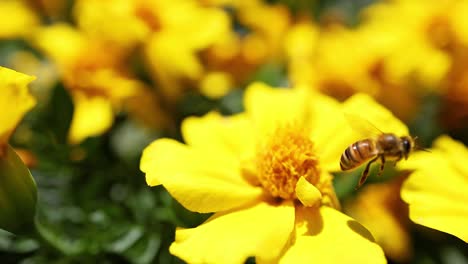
[[265, 173], [401, 49], [185, 28], [437, 191], [402, 30], [379, 208], [342, 66], [94, 74], [267, 22], [15, 100], [18, 20]]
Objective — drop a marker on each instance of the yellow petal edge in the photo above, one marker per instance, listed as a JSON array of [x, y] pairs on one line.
[[15, 99]]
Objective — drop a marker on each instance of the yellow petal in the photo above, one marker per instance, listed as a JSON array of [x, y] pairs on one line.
[[328, 236], [437, 191], [216, 84], [201, 180], [435, 203], [261, 230], [307, 193], [300, 41], [455, 152], [92, 116], [378, 209], [115, 21], [226, 135], [460, 21], [61, 42], [168, 55], [15, 100], [270, 108], [377, 117], [329, 130], [197, 25], [18, 20]]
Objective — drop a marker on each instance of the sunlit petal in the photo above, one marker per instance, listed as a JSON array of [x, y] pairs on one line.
[[270, 108], [328, 236], [350, 122], [201, 180], [92, 116], [437, 190], [329, 130], [227, 135], [374, 116], [438, 202], [307, 193], [15, 100], [232, 237]]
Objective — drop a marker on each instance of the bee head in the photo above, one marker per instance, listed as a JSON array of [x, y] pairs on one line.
[[407, 144]]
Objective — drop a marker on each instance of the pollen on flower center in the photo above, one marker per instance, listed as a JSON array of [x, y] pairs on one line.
[[285, 158]]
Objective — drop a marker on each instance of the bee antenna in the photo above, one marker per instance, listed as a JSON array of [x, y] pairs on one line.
[[421, 148], [418, 147], [426, 150]]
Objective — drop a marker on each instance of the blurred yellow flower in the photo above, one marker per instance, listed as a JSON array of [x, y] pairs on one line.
[[117, 22], [265, 173], [437, 190], [267, 22], [15, 100], [257, 40], [18, 19], [343, 65], [94, 74], [400, 50], [185, 28], [300, 49], [378, 207], [406, 32], [215, 47]]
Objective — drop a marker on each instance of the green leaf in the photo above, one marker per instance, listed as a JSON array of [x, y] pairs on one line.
[[59, 113], [18, 194]]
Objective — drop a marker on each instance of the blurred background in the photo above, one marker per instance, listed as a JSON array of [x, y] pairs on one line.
[[112, 76]]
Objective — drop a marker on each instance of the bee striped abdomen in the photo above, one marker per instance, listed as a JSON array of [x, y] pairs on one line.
[[358, 153]]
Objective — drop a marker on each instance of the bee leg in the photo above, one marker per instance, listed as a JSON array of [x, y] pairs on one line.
[[365, 173], [382, 165]]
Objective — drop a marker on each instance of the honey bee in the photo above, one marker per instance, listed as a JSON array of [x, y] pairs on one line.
[[387, 146]]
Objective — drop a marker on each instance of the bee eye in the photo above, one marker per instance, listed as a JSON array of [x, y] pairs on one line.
[[406, 145]]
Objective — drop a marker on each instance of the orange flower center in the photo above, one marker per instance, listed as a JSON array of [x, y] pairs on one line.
[[286, 157]]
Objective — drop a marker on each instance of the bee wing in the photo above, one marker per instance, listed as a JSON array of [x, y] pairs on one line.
[[362, 126], [363, 105]]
